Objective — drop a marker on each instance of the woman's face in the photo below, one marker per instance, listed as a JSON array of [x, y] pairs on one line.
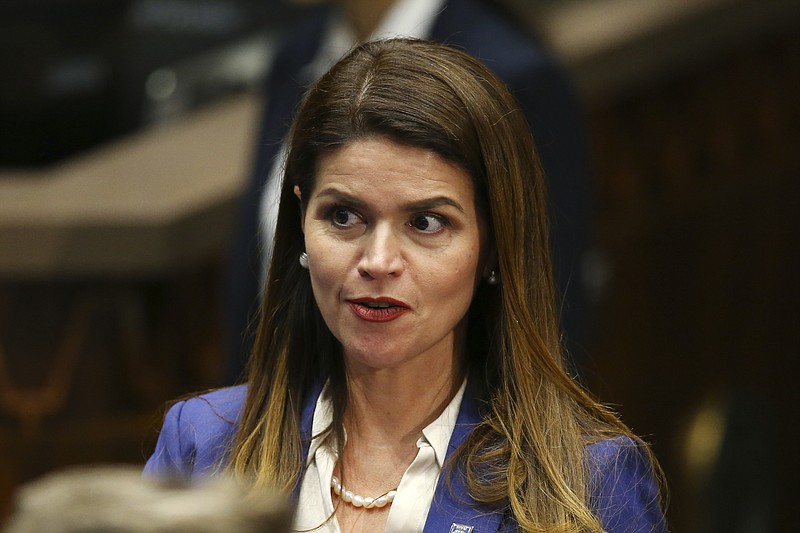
[[395, 243]]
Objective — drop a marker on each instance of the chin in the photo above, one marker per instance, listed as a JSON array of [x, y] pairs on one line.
[[374, 357], [375, 360]]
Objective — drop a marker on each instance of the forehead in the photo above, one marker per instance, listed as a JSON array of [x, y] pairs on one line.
[[389, 169]]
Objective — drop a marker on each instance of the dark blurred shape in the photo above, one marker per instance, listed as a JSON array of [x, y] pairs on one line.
[[698, 194], [57, 63], [117, 499], [730, 475], [74, 74]]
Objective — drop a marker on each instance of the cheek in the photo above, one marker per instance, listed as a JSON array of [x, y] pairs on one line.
[[323, 277], [326, 289], [454, 279], [326, 265]]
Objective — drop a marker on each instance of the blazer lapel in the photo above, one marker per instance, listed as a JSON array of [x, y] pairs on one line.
[[452, 509]]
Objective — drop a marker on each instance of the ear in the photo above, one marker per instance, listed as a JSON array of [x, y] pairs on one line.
[[299, 195]]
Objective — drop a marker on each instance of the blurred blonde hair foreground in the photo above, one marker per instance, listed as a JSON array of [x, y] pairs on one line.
[[117, 499]]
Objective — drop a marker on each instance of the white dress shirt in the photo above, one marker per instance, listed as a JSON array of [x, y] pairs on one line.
[[415, 492]]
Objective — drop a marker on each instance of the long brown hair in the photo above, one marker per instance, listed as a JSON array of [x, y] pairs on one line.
[[528, 453]]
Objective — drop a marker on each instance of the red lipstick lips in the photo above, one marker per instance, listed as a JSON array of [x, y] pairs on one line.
[[377, 309]]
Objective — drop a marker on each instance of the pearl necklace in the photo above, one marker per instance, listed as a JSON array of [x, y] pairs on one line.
[[360, 501]]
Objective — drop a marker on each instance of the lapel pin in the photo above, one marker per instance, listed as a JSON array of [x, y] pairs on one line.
[[460, 528]]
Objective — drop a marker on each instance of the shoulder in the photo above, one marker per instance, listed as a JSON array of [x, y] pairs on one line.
[[221, 406], [286, 83], [624, 492], [490, 34], [542, 86], [197, 434]]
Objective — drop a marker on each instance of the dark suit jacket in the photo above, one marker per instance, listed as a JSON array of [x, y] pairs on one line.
[[545, 96], [197, 435]]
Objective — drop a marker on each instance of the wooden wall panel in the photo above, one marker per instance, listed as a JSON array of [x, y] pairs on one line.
[[697, 336]]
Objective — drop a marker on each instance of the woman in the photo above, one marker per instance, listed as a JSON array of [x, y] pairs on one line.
[[407, 373]]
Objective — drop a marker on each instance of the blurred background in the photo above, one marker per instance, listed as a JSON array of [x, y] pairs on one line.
[[127, 131]]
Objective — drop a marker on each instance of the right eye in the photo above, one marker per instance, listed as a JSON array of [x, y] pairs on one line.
[[344, 218]]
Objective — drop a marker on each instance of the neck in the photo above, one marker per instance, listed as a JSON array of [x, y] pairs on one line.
[[389, 409], [391, 406], [366, 15], [385, 417]]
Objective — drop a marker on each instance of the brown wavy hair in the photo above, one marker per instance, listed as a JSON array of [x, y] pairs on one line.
[[527, 456]]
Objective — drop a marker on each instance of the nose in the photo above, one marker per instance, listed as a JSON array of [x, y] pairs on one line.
[[382, 254]]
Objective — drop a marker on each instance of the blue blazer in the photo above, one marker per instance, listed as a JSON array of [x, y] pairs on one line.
[[546, 97], [197, 435]]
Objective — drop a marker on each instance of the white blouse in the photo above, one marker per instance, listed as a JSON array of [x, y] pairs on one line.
[[414, 493]]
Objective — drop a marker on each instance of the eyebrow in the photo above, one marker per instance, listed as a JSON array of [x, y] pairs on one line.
[[422, 205], [341, 197], [433, 203]]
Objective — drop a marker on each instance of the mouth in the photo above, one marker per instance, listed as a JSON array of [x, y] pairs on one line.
[[378, 309]]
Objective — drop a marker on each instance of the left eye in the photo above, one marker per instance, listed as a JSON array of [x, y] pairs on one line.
[[427, 223]]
